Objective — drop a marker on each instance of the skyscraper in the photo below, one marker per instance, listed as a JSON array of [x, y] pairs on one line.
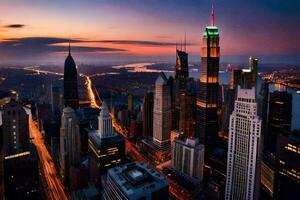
[[243, 159], [70, 148], [22, 176], [277, 128], [130, 103], [187, 114], [207, 117], [148, 102], [106, 147], [70, 83], [288, 157], [188, 156], [180, 86], [246, 78], [279, 120], [15, 128], [253, 66], [55, 98], [135, 181], [181, 70], [162, 116]]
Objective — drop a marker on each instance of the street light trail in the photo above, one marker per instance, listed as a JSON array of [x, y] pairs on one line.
[[55, 186]]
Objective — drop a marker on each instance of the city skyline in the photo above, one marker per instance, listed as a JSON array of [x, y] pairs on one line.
[[150, 103], [39, 32]]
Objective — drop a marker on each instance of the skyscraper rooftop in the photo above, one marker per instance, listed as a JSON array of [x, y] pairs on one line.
[[136, 180]]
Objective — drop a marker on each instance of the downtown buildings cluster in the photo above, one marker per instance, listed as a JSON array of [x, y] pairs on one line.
[[213, 141]]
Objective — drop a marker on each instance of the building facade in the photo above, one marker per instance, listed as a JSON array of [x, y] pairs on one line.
[[187, 122], [162, 114], [279, 118], [288, 157], [243, 159], [106, 148], [188, 156], [15, 128], [148, 102], [207, 98], [70, 147]]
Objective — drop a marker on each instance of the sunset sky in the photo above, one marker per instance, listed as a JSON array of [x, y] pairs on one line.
[[135, 30]]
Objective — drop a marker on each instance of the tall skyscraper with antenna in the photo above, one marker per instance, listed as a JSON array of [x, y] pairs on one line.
[[70, 83], [207, 117]]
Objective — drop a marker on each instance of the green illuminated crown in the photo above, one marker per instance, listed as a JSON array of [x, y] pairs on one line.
[[211, 30]]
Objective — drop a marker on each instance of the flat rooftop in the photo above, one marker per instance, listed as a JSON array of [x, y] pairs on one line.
[[137, 179]]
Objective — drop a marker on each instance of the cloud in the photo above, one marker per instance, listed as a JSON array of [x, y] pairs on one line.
[[37, 46], [141, 42], [15, 26]]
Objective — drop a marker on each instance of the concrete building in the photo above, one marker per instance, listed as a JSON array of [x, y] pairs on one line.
[[135, 181], [244, 148], [188, 156]]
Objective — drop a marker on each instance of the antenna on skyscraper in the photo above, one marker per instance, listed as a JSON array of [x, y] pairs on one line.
[[181, 45], [212, 16], [185, 41]]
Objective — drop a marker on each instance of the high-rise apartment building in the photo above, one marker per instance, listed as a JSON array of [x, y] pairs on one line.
[[244, 148]]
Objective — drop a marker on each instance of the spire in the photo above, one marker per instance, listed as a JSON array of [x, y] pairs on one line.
[[212, 16], [181, 45], [185, 41]]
